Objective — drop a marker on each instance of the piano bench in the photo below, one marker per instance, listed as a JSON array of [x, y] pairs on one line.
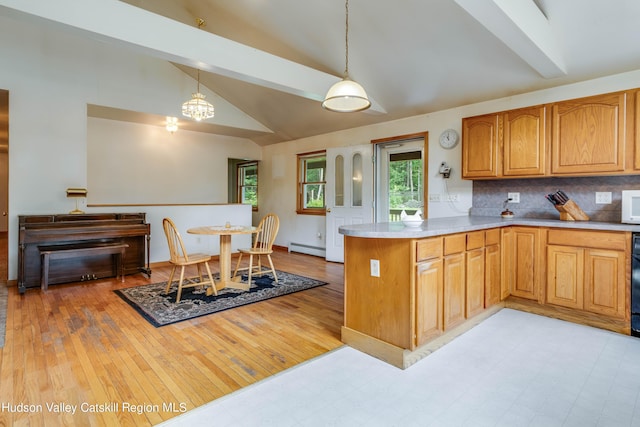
[[49, 253]]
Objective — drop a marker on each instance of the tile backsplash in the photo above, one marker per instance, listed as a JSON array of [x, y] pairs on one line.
[[489, 196]]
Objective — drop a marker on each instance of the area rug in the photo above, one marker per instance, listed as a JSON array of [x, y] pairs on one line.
[[160, 309]]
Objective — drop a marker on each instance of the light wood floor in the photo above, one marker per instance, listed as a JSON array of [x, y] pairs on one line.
[[80, 344]]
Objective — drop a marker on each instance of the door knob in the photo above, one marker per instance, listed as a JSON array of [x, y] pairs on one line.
[[328, 210]]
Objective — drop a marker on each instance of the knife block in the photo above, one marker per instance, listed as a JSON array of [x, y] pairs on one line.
[[570, 211]]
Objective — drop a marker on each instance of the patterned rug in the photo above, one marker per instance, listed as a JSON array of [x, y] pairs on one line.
[[160, 309]]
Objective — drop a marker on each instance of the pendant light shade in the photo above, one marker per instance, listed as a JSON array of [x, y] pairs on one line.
[[346, 96]]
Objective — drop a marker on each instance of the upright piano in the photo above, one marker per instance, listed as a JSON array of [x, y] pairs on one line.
[[67, 230]]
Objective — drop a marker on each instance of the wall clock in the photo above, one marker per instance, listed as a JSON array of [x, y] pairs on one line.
[[449, 138]]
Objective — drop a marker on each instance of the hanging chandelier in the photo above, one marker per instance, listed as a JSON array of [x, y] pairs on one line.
[[197, 107], [346, 96]]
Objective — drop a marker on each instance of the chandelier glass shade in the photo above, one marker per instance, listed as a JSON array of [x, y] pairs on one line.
[[197, 108], [346, 96]]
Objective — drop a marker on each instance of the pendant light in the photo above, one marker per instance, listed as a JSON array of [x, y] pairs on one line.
[[197, 107], [346, 96]]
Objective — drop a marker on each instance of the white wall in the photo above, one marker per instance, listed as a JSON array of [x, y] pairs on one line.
[[51, 77], [280, 198]]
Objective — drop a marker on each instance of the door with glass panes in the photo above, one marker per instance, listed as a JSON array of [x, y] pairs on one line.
[[349, 194]]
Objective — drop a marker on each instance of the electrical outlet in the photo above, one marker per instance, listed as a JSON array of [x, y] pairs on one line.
[[375, 267], [515, 197], [603, 197], [434, 197], [452, 198]]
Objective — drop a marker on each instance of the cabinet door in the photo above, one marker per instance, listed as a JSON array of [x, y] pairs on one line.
[[605, 282], [475, 282], [492, 275], [429, 301], [526, 262], [508, 279], [588, 135], [524, 146], [565, 280], [480, 146], [454, 290]]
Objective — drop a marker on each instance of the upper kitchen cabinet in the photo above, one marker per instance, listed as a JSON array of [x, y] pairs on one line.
[[480, 146], [588, 135], [507, 144], [524, 146]]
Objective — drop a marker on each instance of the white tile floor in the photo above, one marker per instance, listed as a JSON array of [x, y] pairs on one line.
[[515, 369]]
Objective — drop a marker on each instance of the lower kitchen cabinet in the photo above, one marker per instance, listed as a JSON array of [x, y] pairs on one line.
[[454, 290], [429, 320], [586, 270], [526, 262]]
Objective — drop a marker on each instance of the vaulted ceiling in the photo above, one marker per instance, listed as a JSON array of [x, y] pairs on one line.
[[275, 59]]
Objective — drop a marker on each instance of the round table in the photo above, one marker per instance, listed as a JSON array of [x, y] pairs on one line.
[[225, 232]]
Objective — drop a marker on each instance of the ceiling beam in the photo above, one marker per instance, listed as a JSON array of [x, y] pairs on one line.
[[522, 26], [157, 36]]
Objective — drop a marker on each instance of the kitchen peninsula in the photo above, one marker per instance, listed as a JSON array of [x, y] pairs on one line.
[[410, 290]]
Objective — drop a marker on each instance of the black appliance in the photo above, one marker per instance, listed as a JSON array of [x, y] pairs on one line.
[[635, 285]]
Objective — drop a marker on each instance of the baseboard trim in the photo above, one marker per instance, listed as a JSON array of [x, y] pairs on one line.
[[404, 358]]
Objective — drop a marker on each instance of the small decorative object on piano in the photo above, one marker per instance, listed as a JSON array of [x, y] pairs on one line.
[[76, 193], [569, 210]]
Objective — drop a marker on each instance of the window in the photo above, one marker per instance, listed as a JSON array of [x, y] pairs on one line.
[[248, 184], [311, 183]]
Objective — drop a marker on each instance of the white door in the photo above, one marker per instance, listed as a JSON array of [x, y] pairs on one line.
[[348, 195]]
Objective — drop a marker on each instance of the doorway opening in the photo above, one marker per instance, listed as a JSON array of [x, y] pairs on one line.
[[400, 178]]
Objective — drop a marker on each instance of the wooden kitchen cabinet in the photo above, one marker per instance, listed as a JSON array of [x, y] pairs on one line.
[[524, 142], [429, 297], [565, 276], [506, 144], [588, 135], [526, 262], [586, 270], [492, 268], [605, 285], [454, 290], [475, 273], [480, 147]]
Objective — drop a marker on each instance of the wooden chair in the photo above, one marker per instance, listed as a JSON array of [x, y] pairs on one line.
[[266, 235], [180, 258]]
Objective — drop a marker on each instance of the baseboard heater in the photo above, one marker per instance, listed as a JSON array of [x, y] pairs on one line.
[[307, 249]]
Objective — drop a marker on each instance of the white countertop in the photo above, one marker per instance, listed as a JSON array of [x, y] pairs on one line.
[[461, 224]]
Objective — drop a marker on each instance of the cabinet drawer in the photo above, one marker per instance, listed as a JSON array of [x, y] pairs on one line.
[[429, 248], [455, 243], [589, 239], [475, 240], [492, 237]]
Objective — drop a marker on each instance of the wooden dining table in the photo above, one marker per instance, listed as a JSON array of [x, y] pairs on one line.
[[225, 232]]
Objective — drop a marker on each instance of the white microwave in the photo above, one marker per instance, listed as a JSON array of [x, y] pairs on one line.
[[631, 206]]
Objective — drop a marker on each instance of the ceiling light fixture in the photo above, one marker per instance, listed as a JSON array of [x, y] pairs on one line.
[[346, 96], [197, 107], [172, 124]]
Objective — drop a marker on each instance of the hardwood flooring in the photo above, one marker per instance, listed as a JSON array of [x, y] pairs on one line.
[[80, 344]]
